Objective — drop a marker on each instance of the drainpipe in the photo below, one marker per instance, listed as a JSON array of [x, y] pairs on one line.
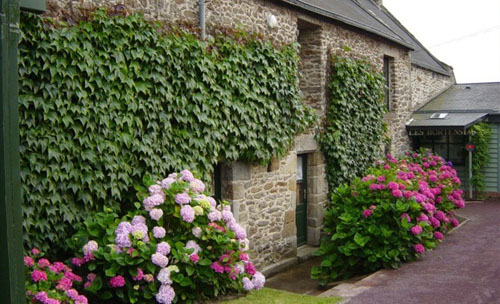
[[202, 18]]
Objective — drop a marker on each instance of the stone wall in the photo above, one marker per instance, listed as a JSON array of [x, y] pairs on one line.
[[427, 84], [264, 197]]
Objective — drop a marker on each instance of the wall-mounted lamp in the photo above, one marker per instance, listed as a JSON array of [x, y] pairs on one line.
[[271, 20]]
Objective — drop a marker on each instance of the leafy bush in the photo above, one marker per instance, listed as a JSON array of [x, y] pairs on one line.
[[354, 131], [106, 100], [180, 247], [50, 283], [393, 214]]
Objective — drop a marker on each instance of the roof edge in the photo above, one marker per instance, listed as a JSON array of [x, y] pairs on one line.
[[385, 10], [325, 13]]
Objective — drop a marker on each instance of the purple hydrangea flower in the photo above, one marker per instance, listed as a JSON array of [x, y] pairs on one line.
[[227, 215], [152, 201], [167, 182], [187, 176], [182, 198], [215, 215], [165, 295], [193, 245], [163, 248], [90, 247], [155, 189], [258, 280], [164, 276], [159, 259], [196, 231], [156, 214], [138, 219], [187, 214], [159, 232], [123, 240], [212, 201], [247, 284], [197, 185]]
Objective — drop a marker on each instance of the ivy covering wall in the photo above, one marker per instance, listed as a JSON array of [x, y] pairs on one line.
[[353, 136], [110, 99], [480, 157]]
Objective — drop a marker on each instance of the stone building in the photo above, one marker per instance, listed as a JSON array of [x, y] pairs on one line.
[[281, 205]]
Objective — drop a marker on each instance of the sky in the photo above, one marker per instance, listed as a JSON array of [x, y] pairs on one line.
[[462, 33]]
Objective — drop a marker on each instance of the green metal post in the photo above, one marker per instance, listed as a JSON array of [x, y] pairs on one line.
[[11, 233]]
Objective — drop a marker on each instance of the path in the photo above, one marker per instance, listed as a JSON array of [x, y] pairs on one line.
[[465, 268]]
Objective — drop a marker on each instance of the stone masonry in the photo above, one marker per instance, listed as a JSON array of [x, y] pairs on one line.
[[264, 197]]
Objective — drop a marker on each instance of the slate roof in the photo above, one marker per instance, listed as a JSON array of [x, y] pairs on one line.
[[468, 97], [465, 104], [366, 15]]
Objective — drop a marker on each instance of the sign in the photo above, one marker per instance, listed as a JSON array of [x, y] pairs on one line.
[[440, 132], [470, 147], [34, 6]]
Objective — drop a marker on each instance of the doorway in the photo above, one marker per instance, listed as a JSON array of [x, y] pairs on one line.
[[301, 200]]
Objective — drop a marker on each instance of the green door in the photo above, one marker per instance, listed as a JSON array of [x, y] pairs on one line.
[[301, 207]]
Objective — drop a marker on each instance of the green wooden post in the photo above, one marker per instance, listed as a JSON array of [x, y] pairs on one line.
[[11, 232]]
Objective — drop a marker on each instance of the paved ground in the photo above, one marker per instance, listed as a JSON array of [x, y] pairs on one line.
[[465, 268]]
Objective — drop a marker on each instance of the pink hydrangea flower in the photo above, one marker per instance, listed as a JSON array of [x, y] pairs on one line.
[[406, 216], [90, 247], [117, 281], [194, 258], [38, 275], [250, 268], [43, 263], [217, 267], [215, 216], [438, 235], [165, 295], [397, 193], [454, 222], [35, 251], [258, 280], [416, 230], [367, 213], [155, 189], [419, 248], [28, 261]]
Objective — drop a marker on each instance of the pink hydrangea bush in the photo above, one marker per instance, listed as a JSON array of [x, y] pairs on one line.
[[50, 283], [179, 246], [400, 209]]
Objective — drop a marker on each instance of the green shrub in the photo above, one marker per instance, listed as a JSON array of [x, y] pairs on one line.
[[179, 247], [111, 98], [393, 214], [481, 156]]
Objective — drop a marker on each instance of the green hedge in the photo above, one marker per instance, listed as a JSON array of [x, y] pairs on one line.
[[110, 99]]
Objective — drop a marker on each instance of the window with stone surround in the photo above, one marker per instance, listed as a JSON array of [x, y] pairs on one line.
[[389, 75]]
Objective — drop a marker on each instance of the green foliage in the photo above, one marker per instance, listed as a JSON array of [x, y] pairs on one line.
[[384, 218], [354, 132], [220, 241], [109, 99], [480, 138]]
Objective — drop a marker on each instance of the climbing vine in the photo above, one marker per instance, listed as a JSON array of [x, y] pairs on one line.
[[111, 98], [354, 132], [480, 138]]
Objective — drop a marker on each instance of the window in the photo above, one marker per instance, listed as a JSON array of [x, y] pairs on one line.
[[452, 148], [388, 74]]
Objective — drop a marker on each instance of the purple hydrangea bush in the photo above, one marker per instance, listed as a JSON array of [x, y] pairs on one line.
[[180, 246], [50, 283], [395, 213]]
